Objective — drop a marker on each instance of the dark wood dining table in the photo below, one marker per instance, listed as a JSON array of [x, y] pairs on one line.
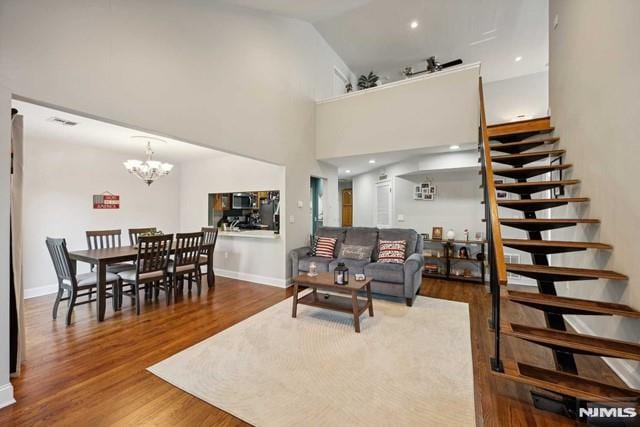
[[103, 257]]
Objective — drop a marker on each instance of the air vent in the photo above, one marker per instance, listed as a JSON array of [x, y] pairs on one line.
[[62, 122], [382, 177]]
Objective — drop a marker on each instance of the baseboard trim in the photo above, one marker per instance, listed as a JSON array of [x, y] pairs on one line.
[[623, 368], [255, 278], [40, 291], [6, 395]]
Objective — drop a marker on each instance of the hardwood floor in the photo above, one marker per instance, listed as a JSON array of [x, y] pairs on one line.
[[94, 374]]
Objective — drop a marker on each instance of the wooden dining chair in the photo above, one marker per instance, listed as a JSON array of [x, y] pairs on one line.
[[150, 269], [74, 283], [105, 239], [208, 244], [134, 233], [186, 262]]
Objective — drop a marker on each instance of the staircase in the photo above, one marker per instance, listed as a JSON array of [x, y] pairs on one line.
[[522, 152]]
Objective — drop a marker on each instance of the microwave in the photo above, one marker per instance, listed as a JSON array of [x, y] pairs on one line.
[[241, 201]]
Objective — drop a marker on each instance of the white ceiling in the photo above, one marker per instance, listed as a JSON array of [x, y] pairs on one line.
[[376, 34], [95, 133], [357, 165]]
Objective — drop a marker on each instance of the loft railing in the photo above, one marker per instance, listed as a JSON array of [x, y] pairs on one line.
[[497, 266]]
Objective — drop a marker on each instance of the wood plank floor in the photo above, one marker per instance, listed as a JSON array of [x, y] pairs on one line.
[[94, 374]]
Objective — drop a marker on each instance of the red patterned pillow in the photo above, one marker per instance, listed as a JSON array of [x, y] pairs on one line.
[[392, 251], [324, 247]]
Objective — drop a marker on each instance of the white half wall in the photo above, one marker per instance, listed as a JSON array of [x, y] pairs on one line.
[[526, 96], [258, 260], [434, 110], [595, 113], [60, 180]]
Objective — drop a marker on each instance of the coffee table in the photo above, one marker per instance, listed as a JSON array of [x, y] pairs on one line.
[[324, 281]]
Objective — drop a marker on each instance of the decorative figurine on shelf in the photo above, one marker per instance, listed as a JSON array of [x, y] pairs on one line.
[[313, 269], [463, 253], [466, 234], [341, 274], [348, 87], [451, 235]]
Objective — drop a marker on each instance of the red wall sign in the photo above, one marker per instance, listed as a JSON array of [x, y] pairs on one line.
[[106, 201]]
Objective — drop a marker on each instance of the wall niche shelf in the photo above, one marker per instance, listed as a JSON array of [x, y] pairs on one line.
[[443, 260]]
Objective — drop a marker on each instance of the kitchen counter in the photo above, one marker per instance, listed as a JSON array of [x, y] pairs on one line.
[[253, 234]]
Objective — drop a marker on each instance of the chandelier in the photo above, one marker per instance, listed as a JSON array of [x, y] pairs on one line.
[[148, 170]]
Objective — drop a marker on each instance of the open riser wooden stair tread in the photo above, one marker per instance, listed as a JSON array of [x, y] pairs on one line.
[[572, 342], [544, 224], [566, 384], [521, 146], [529, 171], [525, 158], [562, 274], [547, 247], [566, 305], [540, 204], [528, 188]]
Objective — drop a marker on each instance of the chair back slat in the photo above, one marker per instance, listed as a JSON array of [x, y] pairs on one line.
[[188, 247], [64, 267], [134, 234], [101, 239], [153, 255]]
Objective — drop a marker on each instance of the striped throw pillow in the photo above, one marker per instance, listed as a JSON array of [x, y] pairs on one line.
[[324, 247], [392, 251]]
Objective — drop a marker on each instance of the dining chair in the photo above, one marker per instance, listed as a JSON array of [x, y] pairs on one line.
[[74, 283], [150, 269], [208, 244], [105, 239], [186, 262], [134, 234]]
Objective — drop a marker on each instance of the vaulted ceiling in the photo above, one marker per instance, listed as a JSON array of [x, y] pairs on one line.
[[377, 34]]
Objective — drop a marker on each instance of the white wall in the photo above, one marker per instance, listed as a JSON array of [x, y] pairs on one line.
[[595, 112], [526, 95], [259, 260], [457, 205], [60, 180], [437, 109], [6, 390]]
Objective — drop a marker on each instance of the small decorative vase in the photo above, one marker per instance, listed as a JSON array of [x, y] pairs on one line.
[[451, 235], [313, 269]]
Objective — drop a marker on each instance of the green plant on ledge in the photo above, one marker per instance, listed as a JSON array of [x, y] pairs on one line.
[[368, 81]]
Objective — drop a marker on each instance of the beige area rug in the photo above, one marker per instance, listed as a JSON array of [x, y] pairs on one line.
[[410, 366]]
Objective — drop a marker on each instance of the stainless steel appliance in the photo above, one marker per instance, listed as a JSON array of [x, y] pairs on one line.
[[241, 201]]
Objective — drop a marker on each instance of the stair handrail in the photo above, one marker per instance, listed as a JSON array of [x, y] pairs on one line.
[[497, 266], [491, 202]]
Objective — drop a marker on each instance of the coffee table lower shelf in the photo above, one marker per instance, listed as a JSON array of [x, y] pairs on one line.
[[333, 302]]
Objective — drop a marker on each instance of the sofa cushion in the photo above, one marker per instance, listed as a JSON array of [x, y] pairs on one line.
[[322, 263], [363, 236], [337, 233], [354, 265], [356, 252], [408, 235], [384, 272]]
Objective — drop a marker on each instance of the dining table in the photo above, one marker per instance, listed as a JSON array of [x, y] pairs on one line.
[[102, 257]]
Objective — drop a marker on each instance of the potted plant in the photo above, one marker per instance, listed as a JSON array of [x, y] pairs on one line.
[[368, 81]]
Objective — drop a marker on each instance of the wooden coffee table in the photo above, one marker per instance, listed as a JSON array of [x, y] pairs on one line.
[[324, 281]]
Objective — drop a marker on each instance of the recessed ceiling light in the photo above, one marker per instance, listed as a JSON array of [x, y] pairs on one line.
[[454, 147], [348, 171], [414, 25], [518, 58], [372, 161]]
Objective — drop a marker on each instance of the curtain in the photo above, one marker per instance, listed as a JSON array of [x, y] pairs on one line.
[[17, 333]]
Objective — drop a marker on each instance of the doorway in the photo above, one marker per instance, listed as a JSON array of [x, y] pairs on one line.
[[317, 205], [346, 206]]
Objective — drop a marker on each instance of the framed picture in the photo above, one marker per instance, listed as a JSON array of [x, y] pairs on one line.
[[436, 233], [428, 197], [425, 185], [417, 193], [432, 190]]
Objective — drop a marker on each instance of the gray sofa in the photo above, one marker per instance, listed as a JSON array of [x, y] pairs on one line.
[[398, 280]]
